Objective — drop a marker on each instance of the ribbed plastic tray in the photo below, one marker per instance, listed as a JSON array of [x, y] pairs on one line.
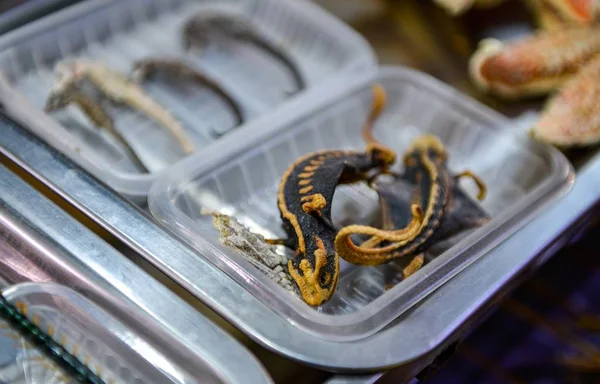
[[241, 178], [119, 32], [110, 349]]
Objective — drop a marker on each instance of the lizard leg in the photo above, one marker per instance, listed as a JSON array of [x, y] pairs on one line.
[[477, 180]]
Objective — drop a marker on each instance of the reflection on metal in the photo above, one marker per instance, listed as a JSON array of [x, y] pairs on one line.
[[43, 242]]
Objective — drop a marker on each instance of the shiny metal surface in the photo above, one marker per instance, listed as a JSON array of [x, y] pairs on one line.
[[413, 341], [40, 242]]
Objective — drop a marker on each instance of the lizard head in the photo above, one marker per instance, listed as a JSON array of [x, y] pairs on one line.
[[316, 284]]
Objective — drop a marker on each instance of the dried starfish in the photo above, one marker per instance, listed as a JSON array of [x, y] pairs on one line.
[[570, 11], [534, 65], [572, 117], [119, 89], [565, 59]]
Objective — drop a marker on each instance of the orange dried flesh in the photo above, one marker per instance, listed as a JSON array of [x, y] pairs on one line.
[[573, 116], [548, 54]]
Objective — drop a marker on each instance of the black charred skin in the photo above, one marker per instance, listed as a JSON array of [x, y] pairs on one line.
[[305, 199]]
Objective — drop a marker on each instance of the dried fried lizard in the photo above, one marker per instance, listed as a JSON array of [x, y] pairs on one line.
[[145, 68], [446, 209], [305, 197], [119, 89], [72, 94], [200, 27]]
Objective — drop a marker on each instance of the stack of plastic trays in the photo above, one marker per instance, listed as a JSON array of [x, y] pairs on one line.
[[118, 33]]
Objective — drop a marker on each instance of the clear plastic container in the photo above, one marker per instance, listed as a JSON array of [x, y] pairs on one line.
[[119, 32], [240, 176], [107, 347]]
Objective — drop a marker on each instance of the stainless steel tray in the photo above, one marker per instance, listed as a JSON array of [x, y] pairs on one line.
[[241, 176], [412, 341], [111, 350], [424, 331], [39, 242], [119, 32]]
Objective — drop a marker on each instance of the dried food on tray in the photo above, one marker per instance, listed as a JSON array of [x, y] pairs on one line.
[[117, 88], [305, 198], [176, 68], [64, 336], [437, 210], [445, 209], [205, 26], [561, 57], [119, 33], [244, 183], [96, 112], [253, 247]]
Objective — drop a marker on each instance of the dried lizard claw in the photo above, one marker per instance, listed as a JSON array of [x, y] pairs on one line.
[[534, 65], [200, 28], [119, 89], [71, 94], [145, 68], [572, 118]]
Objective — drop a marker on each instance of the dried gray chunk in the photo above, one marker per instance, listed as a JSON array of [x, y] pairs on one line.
[[253, 248]]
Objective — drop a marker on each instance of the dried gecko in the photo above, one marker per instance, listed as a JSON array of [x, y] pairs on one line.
[[426, 169], [145, 68], [200, 27], [95, 111], [305, 198], [119, 89]]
